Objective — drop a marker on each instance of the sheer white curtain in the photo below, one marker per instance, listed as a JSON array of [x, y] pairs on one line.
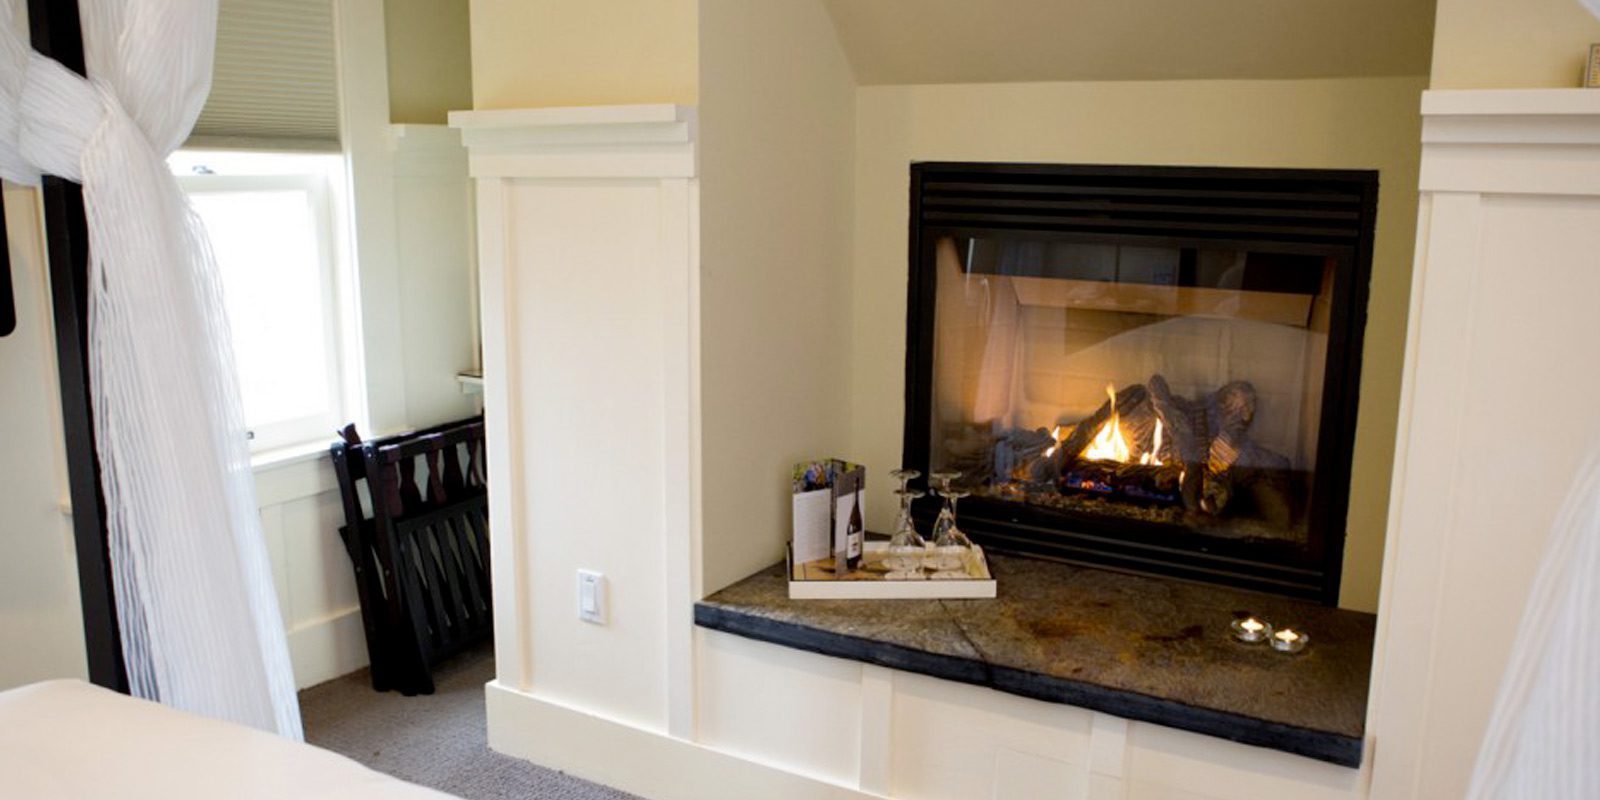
[[200, 624], [1544, 736]]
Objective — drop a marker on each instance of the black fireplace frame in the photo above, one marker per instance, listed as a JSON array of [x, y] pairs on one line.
[[1311, 211]]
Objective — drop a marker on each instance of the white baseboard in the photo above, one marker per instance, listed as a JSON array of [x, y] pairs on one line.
[[647, 763], [327, 648]]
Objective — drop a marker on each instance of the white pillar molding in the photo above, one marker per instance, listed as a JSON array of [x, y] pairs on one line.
[[641, 465], [508, 550], [1502, 304], [638, 141], [364, 129], [1108, 755], [877, 730]]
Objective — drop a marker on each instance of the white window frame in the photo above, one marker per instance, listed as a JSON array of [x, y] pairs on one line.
[[315, 429]]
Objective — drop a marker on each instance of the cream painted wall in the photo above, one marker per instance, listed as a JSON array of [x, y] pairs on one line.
[[430, 59], [538, 53], [1344, 123], [1505, 44], [777, 124], [897, 42], [41, 624], [435, 244]]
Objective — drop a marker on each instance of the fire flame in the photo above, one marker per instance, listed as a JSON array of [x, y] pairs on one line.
[[1153, 457], [1055, 433], [1109, 443]]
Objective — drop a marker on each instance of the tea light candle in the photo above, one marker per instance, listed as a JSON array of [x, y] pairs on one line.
[[1250, 630], [1290, 640]]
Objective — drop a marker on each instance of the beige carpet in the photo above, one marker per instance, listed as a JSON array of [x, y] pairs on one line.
[[436, 740]]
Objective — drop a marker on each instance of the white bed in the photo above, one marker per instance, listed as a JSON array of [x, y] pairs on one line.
[[63, 740]]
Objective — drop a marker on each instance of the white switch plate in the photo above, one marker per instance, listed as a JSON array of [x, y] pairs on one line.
[[591, 597]]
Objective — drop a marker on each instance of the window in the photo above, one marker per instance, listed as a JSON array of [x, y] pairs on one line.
[[271, 223]]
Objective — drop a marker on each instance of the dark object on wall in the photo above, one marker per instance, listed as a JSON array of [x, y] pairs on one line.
[[421, 557], [8, 302], [56, 33]]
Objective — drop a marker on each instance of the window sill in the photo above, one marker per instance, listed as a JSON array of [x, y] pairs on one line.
[[292, 454]]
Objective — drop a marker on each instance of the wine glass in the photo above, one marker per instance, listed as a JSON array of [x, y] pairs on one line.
[[904, 476], [946, 514], [950, 545], [906, 546]]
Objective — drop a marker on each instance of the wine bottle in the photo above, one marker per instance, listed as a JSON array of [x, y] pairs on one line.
[[854, 534]]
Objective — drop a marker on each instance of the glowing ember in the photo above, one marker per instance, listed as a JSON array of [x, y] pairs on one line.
[[1109, 443]]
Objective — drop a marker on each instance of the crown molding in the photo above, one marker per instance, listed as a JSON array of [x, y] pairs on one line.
[[629, 141], [1511, 141]]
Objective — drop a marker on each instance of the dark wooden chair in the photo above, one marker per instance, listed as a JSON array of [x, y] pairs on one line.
[[421, 555]]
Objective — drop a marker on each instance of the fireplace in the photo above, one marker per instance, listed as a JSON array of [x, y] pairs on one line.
[[1147, 369]]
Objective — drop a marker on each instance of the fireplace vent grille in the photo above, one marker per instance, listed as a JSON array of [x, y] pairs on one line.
[[1318, 207]]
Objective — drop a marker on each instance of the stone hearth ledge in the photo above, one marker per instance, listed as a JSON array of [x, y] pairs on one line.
[[1140, 648]]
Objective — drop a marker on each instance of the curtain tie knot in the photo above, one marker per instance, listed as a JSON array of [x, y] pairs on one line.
[[59, 112]]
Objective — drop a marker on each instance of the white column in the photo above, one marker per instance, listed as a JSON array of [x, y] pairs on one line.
[[1497, 411], [587, 251]]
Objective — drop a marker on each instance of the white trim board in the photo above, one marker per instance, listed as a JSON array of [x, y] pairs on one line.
[[636, 760], [328, 648], [647, 141]]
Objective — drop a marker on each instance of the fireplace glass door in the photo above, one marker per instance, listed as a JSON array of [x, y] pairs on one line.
[[1152, 369], [1181, 386]]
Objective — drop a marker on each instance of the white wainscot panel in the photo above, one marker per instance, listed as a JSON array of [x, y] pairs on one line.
[[300, 519], [322, 582], [1531, 372], [952, 741], [1168, 764], [794, 710], [585, 392]]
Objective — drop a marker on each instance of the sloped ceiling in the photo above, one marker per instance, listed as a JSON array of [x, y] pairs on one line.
[[976, 41]]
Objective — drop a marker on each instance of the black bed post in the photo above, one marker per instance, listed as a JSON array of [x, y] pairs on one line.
[[56, 33]]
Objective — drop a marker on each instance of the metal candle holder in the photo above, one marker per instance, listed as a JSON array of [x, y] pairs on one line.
[[1290, 640], [1251, 630]]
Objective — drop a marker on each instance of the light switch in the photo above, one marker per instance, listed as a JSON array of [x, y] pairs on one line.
[[591, 597]]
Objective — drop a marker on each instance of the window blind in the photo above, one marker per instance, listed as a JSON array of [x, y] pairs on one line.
[[273, 81]]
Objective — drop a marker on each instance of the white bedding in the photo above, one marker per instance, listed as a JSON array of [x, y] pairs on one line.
[[63, 740]]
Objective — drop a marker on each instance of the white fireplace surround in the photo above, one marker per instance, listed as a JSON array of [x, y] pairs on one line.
[[588, 230]]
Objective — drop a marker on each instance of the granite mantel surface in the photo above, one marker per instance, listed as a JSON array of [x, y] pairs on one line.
[[1140, 648]]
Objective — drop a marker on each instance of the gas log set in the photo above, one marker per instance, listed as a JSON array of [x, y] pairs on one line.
[[1146, 453]]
